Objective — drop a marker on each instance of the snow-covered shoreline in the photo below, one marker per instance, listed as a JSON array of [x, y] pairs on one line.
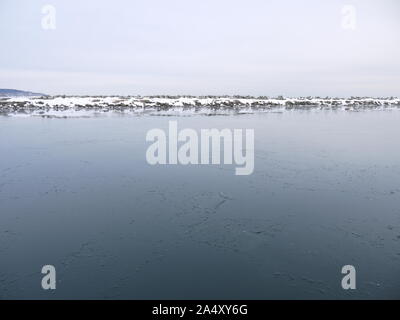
[[86, 106]]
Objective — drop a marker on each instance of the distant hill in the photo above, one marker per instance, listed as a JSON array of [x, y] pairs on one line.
[[18, 93]]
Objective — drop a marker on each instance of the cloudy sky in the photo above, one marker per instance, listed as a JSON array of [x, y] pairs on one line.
[[278, 47]]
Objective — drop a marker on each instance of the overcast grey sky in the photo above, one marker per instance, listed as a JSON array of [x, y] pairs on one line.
[[288, 47]]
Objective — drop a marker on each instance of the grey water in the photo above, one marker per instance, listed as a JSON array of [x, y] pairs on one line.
[[78, 194]]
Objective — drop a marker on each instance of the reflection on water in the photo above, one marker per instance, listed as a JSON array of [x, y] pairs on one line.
[[79, 194]]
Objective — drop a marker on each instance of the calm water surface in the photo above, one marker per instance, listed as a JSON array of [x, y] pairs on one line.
[[78, 194]]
